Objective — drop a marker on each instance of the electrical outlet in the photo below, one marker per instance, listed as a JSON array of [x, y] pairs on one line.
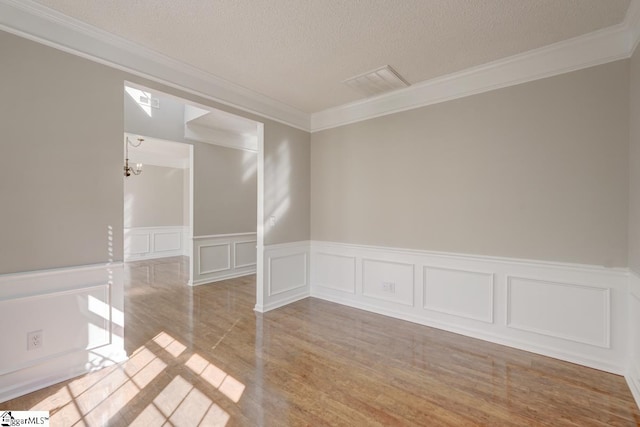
[[389, 287], [34, 340]]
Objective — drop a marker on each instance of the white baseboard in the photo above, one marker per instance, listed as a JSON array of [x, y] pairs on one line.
[[222, 277], [80, 315], [286, 275], [223, 256], [281, 302], [143, 243], [570, 312]]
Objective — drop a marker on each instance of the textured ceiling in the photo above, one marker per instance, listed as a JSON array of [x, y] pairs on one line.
[[299, 51]]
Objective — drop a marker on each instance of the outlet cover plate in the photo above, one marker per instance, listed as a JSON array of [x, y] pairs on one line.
[[34, 340]]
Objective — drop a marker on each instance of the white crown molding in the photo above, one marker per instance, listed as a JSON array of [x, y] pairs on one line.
[[41, 24], [595, 48], [582, 52], [49, 27]]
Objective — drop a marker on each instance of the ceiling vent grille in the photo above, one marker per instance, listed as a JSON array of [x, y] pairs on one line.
[[380, 80]]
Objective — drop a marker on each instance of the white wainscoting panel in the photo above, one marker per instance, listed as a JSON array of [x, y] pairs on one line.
[[61, 334], [633, 370], [286, 275], [245, 254], [137, 244], [214, 258], [80, 313], [461, 293], [388, 281], [223, 256], [167, 241], [587, 321], [571, 312], [335, 272], [155, 242]]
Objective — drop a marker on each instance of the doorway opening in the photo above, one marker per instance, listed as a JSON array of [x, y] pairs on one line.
[[158, 208], [217, 157]]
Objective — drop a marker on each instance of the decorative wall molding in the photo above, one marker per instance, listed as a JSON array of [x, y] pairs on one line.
[[213, 258], [142, 243], [633, 371], [286, 274], [244, 253], [463, 293], [36, 22], [588, 50], [388, 281], [39, 23], [482, 297], [216, 236], [223, 256], [64, 335], [587, 322], [336, 272], [80, 314]]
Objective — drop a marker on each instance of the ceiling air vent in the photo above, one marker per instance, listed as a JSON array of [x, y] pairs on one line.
[[383, 79]]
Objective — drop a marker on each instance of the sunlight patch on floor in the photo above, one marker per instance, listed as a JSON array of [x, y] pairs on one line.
[[170, 344], [225, 383], [103, 397]]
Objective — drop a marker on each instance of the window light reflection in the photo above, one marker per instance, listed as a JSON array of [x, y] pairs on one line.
[[225, 383], [173, 346], [98, 398]]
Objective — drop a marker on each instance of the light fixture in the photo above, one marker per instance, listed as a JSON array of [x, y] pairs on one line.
[[127, 169]]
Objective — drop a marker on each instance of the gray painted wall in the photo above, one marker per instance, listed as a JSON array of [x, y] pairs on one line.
[[539, 170], [226, 189], [225, 179], [61, 163], [634, 164], [286, 184], [61, 159], [155, 198], [536, 171]]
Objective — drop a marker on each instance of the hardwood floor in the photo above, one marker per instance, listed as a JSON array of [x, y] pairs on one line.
[[202, 356]]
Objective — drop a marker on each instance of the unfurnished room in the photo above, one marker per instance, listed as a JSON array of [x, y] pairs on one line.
[[320, 213]]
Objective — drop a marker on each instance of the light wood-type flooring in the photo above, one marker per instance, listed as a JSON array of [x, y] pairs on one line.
[[202, 356]]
